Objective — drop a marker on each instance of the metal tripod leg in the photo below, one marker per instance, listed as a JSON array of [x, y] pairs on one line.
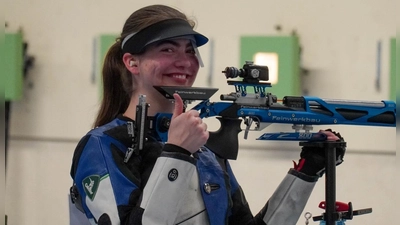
[[331, 215]]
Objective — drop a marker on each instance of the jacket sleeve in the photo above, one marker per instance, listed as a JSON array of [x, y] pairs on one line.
[[288, 201], [164, 193], [284, 206], [107, 193]]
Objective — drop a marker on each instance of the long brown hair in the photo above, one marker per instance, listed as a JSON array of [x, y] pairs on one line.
[[118, 84]]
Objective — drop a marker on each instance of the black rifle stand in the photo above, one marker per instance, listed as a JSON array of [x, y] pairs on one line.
[[331, 215]]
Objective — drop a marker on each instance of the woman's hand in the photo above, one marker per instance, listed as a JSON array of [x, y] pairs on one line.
[[187, 129], [330, 136], [312, 159]]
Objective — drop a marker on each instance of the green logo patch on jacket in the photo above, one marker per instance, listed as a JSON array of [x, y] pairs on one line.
[[90, 185]]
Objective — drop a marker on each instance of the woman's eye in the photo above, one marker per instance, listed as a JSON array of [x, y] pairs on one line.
[[167, 50], [191, 51]]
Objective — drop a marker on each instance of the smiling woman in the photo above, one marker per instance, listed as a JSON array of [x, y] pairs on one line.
[[149, 25], [165, 63], [119, 179]]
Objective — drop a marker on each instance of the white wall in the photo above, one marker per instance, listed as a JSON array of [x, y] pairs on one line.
[[339, 40]]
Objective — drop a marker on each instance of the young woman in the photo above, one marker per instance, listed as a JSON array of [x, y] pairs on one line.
[[180, 181]]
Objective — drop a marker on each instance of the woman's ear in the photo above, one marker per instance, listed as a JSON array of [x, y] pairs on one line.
[[131, 63]]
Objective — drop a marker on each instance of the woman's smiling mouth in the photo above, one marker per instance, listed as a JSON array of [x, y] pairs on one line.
[[179, 79]]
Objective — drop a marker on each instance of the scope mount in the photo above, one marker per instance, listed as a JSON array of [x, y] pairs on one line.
[[241, 87]]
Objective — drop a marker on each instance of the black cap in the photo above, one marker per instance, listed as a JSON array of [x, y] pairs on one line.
[[166, 29]]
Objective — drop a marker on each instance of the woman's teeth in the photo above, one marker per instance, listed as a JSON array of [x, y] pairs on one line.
[[179, 76]]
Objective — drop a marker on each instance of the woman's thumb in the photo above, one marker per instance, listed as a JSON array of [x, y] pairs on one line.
[[178, 109]]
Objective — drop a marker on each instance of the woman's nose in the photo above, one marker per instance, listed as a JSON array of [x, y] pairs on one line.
[[183, 60]]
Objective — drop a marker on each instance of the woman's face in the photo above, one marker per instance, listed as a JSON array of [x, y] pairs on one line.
[[167, 63]]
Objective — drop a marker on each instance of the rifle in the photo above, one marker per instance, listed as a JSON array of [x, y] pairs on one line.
[[262, 108], [251, 103]]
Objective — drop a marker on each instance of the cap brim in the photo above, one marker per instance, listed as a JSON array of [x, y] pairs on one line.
[[167, 29]]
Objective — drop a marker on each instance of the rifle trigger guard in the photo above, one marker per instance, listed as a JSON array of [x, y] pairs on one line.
[[248, 121]]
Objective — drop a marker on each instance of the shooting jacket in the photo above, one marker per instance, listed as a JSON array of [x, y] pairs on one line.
[[164, 184]]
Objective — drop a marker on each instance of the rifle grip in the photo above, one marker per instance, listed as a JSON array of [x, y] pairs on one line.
[[224, 142]]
